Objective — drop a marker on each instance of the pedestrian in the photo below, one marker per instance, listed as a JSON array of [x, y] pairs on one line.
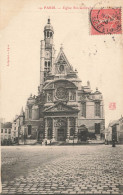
[[46, 143], [50, 142]]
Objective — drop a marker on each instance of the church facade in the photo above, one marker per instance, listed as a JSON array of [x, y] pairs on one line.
[[63, 110]]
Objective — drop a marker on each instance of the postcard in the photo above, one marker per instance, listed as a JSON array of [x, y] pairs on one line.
[[61, 96]]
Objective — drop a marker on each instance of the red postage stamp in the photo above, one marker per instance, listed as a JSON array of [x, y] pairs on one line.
[[105, 21]]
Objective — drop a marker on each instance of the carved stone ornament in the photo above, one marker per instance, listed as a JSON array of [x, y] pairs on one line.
[[60, 122], [61, 93]]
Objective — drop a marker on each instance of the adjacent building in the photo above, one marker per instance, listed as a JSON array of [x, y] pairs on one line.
[[6, 129], [18, 127], [115, 131]]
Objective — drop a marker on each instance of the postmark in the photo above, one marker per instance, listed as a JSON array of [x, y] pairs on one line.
[[105, 21]]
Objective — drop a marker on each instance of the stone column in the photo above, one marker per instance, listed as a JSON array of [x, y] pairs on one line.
[[76, 129], [68, 130], [45, 128], [53, 130]]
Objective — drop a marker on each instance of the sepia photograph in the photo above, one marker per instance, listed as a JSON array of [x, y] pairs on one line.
[[61, 91]]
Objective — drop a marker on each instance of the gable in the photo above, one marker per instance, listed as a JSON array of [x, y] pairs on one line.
[[62, 64], [60, 107]]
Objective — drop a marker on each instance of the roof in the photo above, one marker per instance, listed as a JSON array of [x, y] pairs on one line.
[[6, 125], [115, 122], [48, 26]]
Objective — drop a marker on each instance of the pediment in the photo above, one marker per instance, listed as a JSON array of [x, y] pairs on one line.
[[62, 60], [60, 107]]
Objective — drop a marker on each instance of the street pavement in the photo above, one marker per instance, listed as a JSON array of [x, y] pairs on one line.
[[87, 169]]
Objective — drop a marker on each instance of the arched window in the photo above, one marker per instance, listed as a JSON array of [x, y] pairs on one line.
[[48, 63], [48, 34]]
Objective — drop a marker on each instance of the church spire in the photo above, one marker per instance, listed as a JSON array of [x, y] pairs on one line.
[[48, 34]]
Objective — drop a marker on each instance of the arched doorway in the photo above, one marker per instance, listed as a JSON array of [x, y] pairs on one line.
[[61, 129]]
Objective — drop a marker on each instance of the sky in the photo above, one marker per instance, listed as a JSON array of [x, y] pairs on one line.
[[97, 58]]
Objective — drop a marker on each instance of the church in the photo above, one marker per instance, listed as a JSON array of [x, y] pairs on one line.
[[64, 109]]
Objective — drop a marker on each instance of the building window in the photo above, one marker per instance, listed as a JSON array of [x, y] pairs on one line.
[[72, 132], [72, 95], [47, 66], [5, 130], [49, 97], [30, 112], [50, 34], [97, 128], [1, 130], [72, 122], [84, 109], [29, 129], [48, 63], [15, 128], [97, 108], [9, 131]]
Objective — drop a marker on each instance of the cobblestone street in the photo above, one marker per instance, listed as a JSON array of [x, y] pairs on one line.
[[96, 169]]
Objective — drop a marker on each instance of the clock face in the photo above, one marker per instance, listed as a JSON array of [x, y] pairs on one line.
[[48, 54]]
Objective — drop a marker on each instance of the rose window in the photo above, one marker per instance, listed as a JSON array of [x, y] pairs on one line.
[[61, 93]]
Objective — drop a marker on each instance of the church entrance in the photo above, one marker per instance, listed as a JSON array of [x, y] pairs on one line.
[[61, 134]]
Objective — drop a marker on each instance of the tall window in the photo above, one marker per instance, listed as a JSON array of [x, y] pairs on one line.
[[5, 130], [48, 34], [97, 108], [84, 109], [97, 128], [30, 112], [49, 97], [72, 95], [9, 131], [29, 129], [1, 130], [47, 66]]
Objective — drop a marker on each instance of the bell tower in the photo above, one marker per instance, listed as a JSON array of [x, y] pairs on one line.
[[47, 53], [48, 35]]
